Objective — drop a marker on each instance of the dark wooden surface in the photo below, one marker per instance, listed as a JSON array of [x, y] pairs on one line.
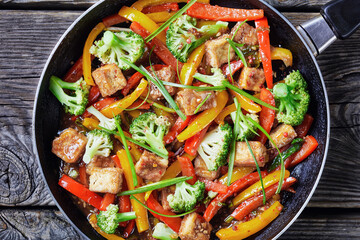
[[29, 29]]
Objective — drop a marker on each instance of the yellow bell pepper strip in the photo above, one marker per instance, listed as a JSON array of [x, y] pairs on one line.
[[119, 106], [238, 172], [86, 53], [204, 118], [160, 17], [90, 123], [93, 222], [246, 229], [189, 68], [134, 113], [246, 103], [278, 53], [137, 16], [226, 111], [256, 187], [159, 106], [141, 4], [141, 220]]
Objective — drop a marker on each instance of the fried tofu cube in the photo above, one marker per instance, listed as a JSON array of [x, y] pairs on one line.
[[282, 135], [246, 34], [106, 180], [109, 79], [166, 74], [201, 170], [151, 167], [252, 79], [194, 226], [70, 145], [99, 162], [243, 157], [216, 51], [188, 100]]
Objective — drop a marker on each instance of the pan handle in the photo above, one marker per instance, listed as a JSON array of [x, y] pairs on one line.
[[338, 19]]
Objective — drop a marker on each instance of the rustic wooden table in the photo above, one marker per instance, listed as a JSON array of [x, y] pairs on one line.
[[29, 29]]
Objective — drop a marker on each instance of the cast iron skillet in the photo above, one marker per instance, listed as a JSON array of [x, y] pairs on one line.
[[69, 48]]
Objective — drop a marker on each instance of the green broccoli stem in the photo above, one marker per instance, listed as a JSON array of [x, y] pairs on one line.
[[55, 87], [126, 216], [111, 39], [90, 153], [155, 186], [65, 85], [97, 114], [156, 143]]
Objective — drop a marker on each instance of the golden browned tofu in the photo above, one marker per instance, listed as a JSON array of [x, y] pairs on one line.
[[151, 167], [282, 135], [99, 162], [109, 79], [216, 51], [201, 170], [246, 34], [194, 226], [252, 79], [243, 157], [165, 192], [188, 100], [166, 74], [70, 145], [106, 180]]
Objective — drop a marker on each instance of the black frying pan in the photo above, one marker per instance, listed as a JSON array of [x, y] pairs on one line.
[[339, 19]]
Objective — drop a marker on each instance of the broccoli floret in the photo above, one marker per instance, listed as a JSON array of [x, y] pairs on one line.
[[215, 147], [108, 123], [217, 79], [163, 232], [98, 143], [149, 128], [114, 46], [292, 99], [183, 36], [74, 103], [109, 220], [186, 196], [247, 129]]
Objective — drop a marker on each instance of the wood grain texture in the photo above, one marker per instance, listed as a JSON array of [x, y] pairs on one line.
[[27, 42], [303, 5]]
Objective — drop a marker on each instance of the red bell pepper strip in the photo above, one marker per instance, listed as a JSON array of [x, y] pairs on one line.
[[256, 201], [140, 104], [174, 223], [135, 79], [75, 72], [94, 95], [100, 105], [214, 186], [112, 20], [267, 115], [82, 175], [176, 129], [162, 7], [217, 13], [187, 169], [235, 187], [80, 191], [124, 206], [108, 199], [160, 49], [193, 143], [309, 145], [235, 66], [304, 127], [262, 31], [116, 160], [129, 229]]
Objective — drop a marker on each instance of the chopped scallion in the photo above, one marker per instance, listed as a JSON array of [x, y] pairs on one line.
[[202, 103]]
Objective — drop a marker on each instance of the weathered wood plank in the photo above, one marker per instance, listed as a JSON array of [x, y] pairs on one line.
[[293, 5], [26, 43], [50, 224]]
